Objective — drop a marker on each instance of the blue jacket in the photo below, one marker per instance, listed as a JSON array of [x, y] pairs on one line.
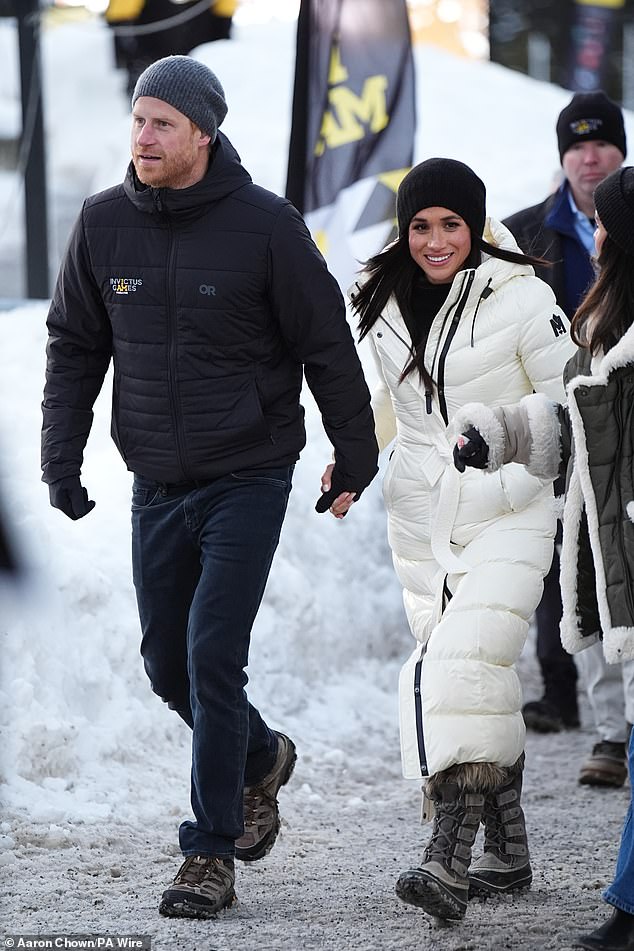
[[547, 230]]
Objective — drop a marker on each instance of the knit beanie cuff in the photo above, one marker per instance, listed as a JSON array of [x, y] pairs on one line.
[[187, 85], [614, 202], [445, 183]]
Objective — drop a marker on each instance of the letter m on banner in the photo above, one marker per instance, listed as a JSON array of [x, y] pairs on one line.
[[354, 121]]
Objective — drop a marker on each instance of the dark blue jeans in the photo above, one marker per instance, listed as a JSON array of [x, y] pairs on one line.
[[621, 892], [201, 556]]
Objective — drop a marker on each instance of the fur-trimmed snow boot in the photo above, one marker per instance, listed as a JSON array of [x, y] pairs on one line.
[[440, 886], [505, 865]]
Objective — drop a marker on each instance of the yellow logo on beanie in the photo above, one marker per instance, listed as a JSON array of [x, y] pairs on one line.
[[585, 126]]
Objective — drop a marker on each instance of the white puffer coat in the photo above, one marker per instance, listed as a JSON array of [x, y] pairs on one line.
[[471, 550]]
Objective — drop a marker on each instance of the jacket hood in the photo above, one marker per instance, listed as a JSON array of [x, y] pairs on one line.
[[494, 269], [224, 175]]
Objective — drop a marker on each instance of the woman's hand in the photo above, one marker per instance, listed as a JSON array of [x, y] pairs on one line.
[[470, 450], [339, 505]]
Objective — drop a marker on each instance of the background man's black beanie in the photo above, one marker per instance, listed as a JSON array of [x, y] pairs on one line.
[[590, 116]]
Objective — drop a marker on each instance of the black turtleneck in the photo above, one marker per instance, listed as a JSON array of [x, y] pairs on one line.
[[426, 301]]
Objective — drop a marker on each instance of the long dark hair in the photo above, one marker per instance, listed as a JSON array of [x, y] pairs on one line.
[[607, 310], [393, 272]]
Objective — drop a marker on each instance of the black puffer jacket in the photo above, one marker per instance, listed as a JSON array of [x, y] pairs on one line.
[[211, 300]]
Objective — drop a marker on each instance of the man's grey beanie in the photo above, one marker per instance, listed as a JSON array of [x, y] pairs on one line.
[[189, 86]]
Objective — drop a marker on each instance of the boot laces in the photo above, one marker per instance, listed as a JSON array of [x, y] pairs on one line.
[[443, 839], [504, 831], [494, 830], [258, 804], [201, 869]]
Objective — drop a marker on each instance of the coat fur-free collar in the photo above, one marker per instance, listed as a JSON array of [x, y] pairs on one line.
[[620, 355], [618, 642]]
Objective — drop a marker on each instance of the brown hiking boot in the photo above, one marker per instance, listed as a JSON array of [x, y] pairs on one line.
[[203, 886], [261, 814], [607, 766]]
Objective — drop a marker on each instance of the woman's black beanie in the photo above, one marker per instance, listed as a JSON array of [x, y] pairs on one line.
[[445, 183], [614, 202]]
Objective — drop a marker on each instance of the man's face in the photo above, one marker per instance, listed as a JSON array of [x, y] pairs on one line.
[[585, 164], [168, 150]]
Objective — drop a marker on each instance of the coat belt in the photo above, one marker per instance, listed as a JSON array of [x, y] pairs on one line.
[[444, 520]]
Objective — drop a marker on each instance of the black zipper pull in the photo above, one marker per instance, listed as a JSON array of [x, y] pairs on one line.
[[428, 407], [487, 291]]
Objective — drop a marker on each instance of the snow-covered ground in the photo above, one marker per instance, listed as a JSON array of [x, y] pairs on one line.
[[95, 769]]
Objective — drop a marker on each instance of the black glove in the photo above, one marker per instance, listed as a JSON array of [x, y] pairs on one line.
[[474, 453], [69, 496], [337, 486]]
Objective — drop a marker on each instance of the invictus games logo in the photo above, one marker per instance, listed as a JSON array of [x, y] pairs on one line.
[[585, 126], [125, 285]]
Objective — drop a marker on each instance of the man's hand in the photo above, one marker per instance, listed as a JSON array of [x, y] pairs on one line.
[[333, 497], [470, 450], [69, 496]]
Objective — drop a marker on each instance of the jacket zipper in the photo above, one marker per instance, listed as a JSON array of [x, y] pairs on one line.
[[172, 381], [409, 346], [447, 344], [616, 480], [486, 292], [418, 713], [418, 702]]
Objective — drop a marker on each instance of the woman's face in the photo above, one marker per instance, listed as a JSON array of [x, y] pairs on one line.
[[439, 242], [600, 235]]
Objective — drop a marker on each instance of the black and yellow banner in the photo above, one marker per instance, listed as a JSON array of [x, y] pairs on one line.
[[354, 119]]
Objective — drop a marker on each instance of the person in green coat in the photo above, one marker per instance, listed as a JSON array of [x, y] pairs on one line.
[[593, 438]]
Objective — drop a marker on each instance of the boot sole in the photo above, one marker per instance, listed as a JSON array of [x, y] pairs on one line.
[[481, 887], [190, 909], [600, 779], [542, 726], [266, 844], [416, 888]]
